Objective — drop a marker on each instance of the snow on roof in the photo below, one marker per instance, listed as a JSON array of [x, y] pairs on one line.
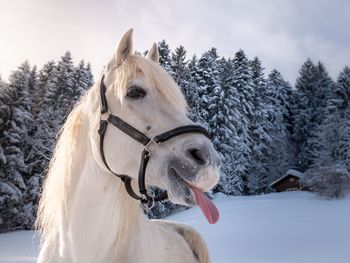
[[293, 172]]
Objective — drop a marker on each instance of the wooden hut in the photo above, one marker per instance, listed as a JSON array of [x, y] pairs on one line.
[[291, 181]]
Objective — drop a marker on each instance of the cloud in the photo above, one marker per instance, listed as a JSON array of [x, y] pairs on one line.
[[282, 33]]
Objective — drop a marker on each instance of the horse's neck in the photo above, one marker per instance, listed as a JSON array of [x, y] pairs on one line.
[[102, 219]]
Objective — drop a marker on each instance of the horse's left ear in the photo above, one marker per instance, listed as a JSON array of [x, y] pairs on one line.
[[153, 53], [124, 49]]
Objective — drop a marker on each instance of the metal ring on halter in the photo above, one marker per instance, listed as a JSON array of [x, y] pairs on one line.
[[149, 143], [148, 202]]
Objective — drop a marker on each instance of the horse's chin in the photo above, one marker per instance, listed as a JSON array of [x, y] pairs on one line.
[[180, 188], [179, 191]]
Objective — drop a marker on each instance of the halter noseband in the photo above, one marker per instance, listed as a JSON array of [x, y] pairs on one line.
[[106, 117]]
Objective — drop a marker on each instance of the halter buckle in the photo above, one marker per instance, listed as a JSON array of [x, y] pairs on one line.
[[104, 116]]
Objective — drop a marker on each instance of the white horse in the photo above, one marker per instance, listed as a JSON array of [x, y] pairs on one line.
[[85, 213]]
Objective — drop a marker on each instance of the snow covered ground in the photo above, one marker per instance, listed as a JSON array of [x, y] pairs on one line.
[[275, 228], [21, 246]]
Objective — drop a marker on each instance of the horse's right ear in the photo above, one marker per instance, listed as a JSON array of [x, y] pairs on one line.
[[124, 49], [153, 53]]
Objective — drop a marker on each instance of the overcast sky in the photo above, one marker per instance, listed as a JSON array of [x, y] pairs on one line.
[[282, 33]]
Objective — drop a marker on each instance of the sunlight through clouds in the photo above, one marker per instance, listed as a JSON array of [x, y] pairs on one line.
[[281, 33]]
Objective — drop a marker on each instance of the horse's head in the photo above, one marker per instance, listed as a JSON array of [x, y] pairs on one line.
[[141, 93]]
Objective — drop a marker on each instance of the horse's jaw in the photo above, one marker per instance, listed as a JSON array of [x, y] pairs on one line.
[[187, 187]]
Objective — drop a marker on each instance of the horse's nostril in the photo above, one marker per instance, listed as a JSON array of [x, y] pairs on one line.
[[198, 156]]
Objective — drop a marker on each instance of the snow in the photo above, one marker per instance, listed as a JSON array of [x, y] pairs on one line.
[[281, 227], [295, 173], [290, 227], [21, 247]]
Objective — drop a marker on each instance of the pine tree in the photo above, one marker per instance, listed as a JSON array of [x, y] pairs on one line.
[[343, 88], [41, 146], [259, 131], [323, 100], [334, 134], [279, 117], [191, 92], [312, 106], [209, 90], [5, 114], [179, 66], [342, 94], [304, 113], [59, 96], [226, 133], [164, 56], [243, 82], [44, 76], [66, 86], [83, 80], [15, 134], [184, 73]]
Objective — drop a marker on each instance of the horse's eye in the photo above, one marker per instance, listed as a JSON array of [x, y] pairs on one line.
[[136, 92]]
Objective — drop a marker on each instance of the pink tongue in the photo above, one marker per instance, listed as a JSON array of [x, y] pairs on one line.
[[207, 206]]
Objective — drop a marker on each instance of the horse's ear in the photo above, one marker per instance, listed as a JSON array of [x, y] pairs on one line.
[[124, 49], [153, 53]]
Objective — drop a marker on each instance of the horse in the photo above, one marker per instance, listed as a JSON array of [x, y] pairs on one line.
[[89, 210]]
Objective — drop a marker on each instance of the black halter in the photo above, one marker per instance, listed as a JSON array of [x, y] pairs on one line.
[[145, 198]]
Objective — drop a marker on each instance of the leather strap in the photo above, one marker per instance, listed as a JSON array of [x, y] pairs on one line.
[[126, 179], [142, 171], [128, 129], [104, 105], [180, 130]]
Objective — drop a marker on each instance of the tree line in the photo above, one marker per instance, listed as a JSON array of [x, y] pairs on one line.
[[260, 125], [33, 107]]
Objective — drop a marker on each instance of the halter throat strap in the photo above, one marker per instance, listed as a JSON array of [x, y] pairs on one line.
[[107, 118]]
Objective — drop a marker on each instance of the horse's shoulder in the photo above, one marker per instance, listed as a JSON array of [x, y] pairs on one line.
[[191, 236]]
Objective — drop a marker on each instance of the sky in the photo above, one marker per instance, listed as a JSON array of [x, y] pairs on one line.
[[282, 33]]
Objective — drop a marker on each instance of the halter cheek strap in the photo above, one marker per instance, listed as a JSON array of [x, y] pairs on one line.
[[107, 118]]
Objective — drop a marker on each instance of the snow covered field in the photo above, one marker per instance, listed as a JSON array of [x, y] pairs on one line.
[[275, 228]]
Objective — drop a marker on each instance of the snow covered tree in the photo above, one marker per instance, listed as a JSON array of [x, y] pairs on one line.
[[305, 86], [334, 134], [164, 56], [259, 131], [342, 91], [334, 137], [15, 134], [41, 144], [83, 80], [179, 66], [66, 86], [63, 85], [343, 88], [279, 117], [184, 73], [5, 114], [44, 76], [191, 91], [332, 181], [226, 133], [209, 90], [243, 82], [312, 98]]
